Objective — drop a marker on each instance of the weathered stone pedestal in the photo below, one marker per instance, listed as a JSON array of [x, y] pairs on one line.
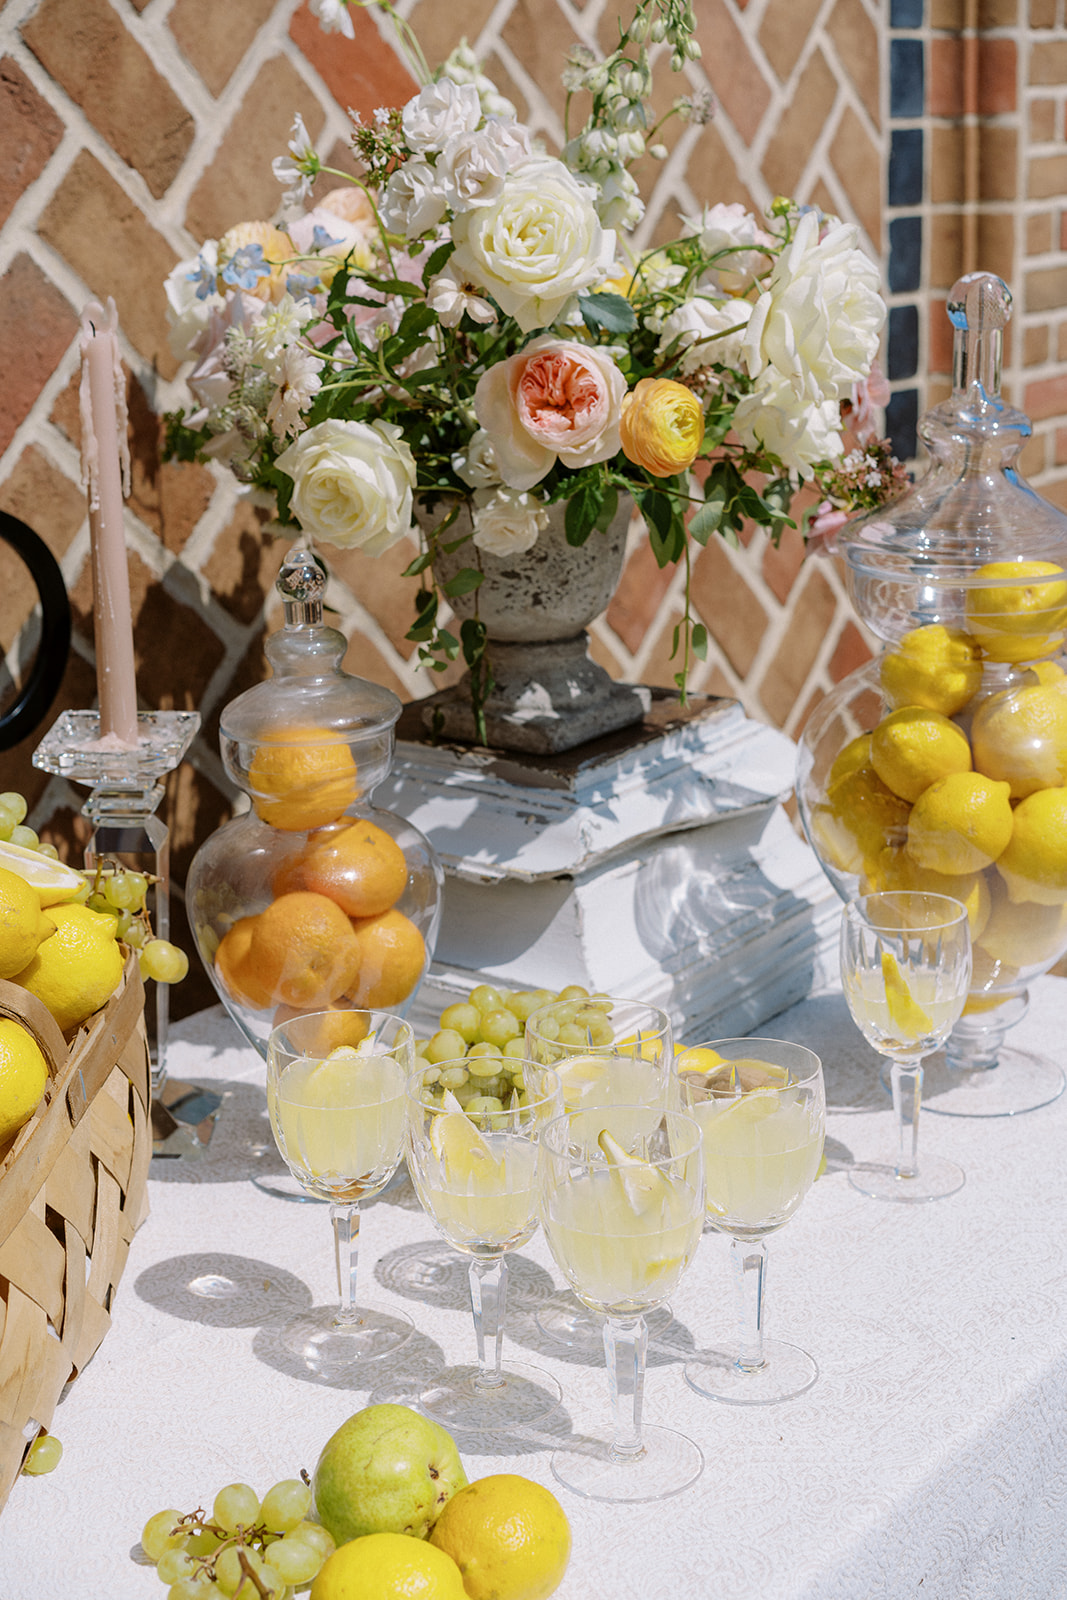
[[656, 863]]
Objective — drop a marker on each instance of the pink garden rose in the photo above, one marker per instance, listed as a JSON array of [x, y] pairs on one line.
[[555, 399]]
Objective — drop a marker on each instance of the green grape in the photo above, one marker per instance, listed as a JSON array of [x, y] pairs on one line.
[[163, 961], [486, 998], [135, 934], [82, 896], [548, 1027], [13, 810], [96, 902], [573, 1036], [515, 1049], [483, 1048], [228, 1571], [175, 1563], [484, 1066], [126, 890], [523, 1002], [500, 1026], [574, 991], [483, 1105], [162, 1532], [123, 923], [44, 1455], [465, 1020], [293, 1560], [48, 850], [197, 1586], [236, 1506], [446, 1046], [285, 1505], [24, 836], [203, 1543], [314, 1533]]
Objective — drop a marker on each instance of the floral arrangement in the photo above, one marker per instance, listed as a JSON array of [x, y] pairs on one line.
[[469, 323]]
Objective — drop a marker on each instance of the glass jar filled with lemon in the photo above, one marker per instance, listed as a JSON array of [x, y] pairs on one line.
[[312, 899], [942, 764]]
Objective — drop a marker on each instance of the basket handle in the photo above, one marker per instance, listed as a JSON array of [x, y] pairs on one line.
[[25, 1008]]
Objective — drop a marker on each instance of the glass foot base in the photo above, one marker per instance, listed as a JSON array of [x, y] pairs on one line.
[[669, 1463], [568, 1322], [283, 1186], [934, 1180], [786, 1372], [455, 1400], [1019, 1082], [328, 1348]]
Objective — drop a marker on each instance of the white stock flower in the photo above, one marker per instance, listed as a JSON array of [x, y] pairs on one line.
[[703, 328], [477, 464], [799, 433], [450, 298], [438, 111], [299, 167], [507, 521], [818, 320], [412, 201], [538, 244], [333, 17], [730, 228], [297, 377], [353, 483]]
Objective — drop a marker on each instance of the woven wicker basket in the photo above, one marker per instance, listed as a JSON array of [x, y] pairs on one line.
[[72, 1193]]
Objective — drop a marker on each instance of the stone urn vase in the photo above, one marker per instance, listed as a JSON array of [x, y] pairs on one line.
[[548, 694]]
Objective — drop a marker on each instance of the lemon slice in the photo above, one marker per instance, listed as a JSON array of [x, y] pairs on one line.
[[53, 882], [463, 1151], [643, 1049], [578, 1077], [905, 1013], [699, 1059], [643, 1186], [750, 1107]]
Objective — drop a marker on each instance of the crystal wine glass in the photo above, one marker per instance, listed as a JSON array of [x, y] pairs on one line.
[[473, 1161], [762, 1108], [337, 1115], [906, 970], [623, 1224], [608, 1052]]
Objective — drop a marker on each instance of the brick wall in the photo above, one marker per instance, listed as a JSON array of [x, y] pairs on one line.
[[133, 129]]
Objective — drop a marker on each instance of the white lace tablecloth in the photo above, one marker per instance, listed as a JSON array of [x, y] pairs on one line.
[[929, 1460]]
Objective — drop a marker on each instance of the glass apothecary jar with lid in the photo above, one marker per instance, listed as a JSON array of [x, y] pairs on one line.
[[313, 899]]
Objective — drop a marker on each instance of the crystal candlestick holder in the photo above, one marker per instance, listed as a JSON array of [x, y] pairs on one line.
[[125, 791]]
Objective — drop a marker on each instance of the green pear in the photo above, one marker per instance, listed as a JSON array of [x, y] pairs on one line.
[[386, 1470]]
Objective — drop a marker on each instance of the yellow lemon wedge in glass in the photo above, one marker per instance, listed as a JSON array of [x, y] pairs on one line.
[[905, 1013], [643, 1186], [579, 1077], [464, 1153]]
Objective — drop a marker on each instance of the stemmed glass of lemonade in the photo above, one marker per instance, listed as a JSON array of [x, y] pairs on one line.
[[473, 1160], [337, 1114], [761, 1106]]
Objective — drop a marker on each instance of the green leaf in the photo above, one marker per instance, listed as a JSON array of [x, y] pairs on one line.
[[698, 641], [707, 519], [666, 530], [608, 509], [419, 564], [467, 579], [611, 312], [583, 509], [437, 260], [425, 616]]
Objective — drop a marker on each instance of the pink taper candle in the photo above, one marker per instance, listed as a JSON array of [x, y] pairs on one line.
[[106, 472]]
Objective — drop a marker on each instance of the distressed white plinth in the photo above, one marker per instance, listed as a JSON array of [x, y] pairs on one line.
[[656, 863]]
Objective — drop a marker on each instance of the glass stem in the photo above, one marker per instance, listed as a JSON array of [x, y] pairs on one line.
[[750, 1263], [625, 1341], [907, 1081], [489, 1292], [345, 1220]]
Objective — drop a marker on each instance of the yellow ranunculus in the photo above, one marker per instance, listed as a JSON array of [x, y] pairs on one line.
[[662, 426]]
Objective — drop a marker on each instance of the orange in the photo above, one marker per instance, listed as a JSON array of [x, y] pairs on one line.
[[302, 951], [392, 957], [336, 1026], [360, 866], [302, 778], [231, 963]]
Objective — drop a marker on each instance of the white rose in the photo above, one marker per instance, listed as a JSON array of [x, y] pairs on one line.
[[732, 228], [702, 325], [507, 521], [477, 465], [538, 244], [818, 320], [412, 201], [800, 434], [353, 484], [438, 111], [473, 166]]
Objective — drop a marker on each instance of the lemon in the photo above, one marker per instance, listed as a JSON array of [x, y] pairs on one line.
[[464, 1152], [1020, 736], [960, 824], [1034, 865], [53, 883], [22, 923], [509, 1537], [1047, 672], [78, 967], [896, 869], [388, 1566], [936, 667], [912, 747], [1022, 934], [302, 778], [642, 1185], [1023, 617], [751, 1106], [23, 1077], [905, 1013], [855, 756], [700, 1059], [578, 1077], [857, 819]]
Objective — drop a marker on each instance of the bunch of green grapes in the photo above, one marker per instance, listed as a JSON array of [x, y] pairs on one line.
[[484, 1037], [246, 1549]]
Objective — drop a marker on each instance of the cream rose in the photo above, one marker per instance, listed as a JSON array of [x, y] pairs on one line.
[[537, 245], [556, 398], [709, 333], [353, 484], [798, 433], [507, 522], [817, 322]]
